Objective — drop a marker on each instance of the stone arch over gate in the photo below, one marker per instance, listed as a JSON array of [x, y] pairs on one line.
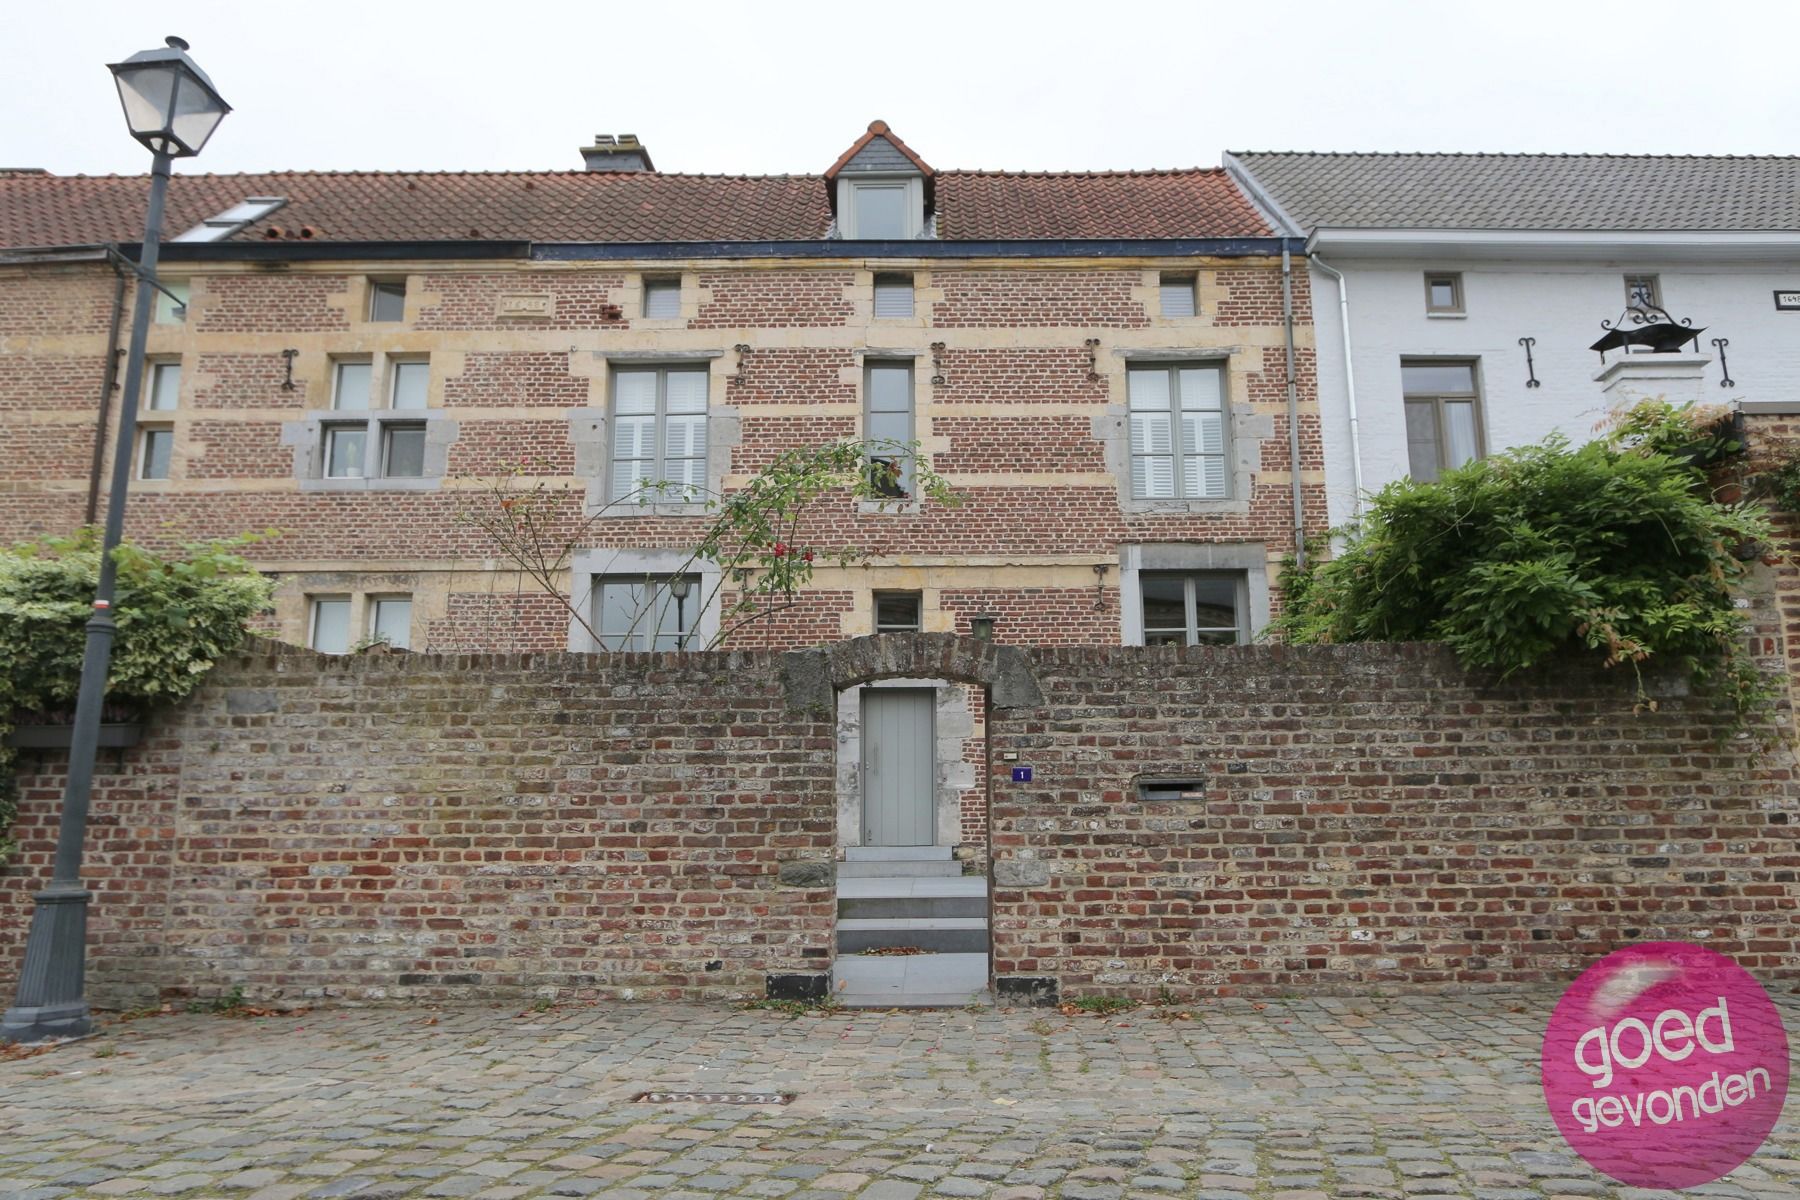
[[813, 678]]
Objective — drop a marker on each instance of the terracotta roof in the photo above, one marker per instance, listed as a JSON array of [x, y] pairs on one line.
[[1198, 203], [1629, 192], [38, 209]]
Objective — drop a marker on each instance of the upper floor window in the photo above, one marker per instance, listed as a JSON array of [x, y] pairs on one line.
[[390, 621], [893, 295], [387, 301], [172, 309], [1178, 432], [1642, 291], [1443, 292], [662, 298], [329, 624], [1443, 417], [881, 211], [659, 432], [1178, 294], [165, 386], [350, 384], [888, 426], [409, 384]]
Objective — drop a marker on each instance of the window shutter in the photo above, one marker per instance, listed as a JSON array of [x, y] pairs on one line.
[[662, 298], [893, 296]]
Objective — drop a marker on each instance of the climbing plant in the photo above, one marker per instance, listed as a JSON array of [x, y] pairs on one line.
[[177, 615]]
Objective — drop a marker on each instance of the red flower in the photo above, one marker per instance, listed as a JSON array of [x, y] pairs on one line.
[[807, 556], [780, 549]]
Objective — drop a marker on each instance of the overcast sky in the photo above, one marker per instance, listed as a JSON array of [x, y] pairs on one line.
[[772, 87]]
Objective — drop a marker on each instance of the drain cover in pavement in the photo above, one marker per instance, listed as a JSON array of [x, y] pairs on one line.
[[714, 1097]]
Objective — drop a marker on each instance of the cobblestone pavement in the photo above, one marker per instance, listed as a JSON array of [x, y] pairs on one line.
[[1284, 1100]]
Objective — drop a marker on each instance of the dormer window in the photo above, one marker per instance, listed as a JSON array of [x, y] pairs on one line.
[[881, 189]]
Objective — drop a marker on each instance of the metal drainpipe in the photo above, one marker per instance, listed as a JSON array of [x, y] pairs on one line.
[[108, 382], [1356, 478], [1293, 407]]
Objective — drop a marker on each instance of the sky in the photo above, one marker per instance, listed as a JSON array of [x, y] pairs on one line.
[[771, 87]]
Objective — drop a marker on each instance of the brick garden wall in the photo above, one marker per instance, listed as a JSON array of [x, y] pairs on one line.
[[393, 826]]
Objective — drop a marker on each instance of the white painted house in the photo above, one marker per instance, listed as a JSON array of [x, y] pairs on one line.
[[1428, 269]]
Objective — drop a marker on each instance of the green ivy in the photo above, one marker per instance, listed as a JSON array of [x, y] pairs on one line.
[[176, 616], [1612, 550]]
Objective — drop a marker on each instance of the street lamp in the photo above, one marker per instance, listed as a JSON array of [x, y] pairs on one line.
[[172, 108]]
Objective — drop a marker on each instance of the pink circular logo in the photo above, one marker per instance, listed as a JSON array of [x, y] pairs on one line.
[[1665, 1065]]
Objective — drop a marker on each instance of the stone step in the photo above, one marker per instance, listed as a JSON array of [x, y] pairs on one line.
[[897, 853], [897, 885], [941, 868], [940, 935], [854, 908], [913, 981]]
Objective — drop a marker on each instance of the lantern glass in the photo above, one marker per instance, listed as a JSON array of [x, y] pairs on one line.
[[170, 105]]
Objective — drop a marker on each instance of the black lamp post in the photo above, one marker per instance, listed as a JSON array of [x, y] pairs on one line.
[[172, 108]]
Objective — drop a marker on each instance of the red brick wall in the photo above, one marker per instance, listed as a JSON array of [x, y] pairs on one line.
[[774, 299], [400, 825]]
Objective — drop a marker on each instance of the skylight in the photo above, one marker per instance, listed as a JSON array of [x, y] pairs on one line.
[[238, 216]]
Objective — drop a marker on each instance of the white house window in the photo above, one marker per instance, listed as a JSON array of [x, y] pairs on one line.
[[888, 425], [387, 301], [1178, 435], [893, 295], [659, 432], [390, 621], [662, 298], [155, 444], [1642, 291], [881, 211], [1195, 608], [898, 612], [351, 380], [1443, 292], [1443, 416], [329, 631], [172, 310], [411, 385], [165, 386], [1178, 294], [346, 447], [646, 612]]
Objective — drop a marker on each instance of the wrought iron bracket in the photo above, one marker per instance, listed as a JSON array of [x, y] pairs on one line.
[[287, 385], [1093, 349], [739, 376], [1724, 367], [1530, 366], [937, 364]]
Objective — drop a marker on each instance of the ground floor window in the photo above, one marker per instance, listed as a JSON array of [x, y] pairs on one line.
[[1193, 608], [647, 612]]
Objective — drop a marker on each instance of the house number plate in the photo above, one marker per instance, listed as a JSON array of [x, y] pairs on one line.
[[1787, 301], [714, 1097]]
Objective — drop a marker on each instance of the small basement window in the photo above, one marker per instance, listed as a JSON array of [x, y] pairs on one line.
[[1168, 789], [898, 612]]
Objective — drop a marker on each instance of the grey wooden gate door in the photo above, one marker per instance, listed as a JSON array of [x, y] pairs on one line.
[[898, 767]]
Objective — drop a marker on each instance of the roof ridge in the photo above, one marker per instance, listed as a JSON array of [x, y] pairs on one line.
[[1122, 174], [575, 172]]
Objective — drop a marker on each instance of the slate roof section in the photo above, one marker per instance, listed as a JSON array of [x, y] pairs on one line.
[[1575, 192], [38, 209]]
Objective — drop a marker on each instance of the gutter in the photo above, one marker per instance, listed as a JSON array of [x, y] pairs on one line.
[[1293, 410], [1356, 473], [1248, 247]]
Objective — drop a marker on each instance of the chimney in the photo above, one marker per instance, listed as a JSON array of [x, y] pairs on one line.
[[623, 153]]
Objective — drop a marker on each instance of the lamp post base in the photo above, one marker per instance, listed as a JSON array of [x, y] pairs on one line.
[[52, 998]]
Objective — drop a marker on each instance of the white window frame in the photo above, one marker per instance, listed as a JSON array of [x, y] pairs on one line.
[[906, 455], [659, 459], [159, 370], [643, 637], [913, 201], [1240, 605], [337, 385], [1437, 400], [379, 287], [395, 366], [1173, 370], [327, 434], [145, 434], [1248, 561], [661, 285], [386, 431], [894, 284], [375, 605], [1185, 283], [312, 620]]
